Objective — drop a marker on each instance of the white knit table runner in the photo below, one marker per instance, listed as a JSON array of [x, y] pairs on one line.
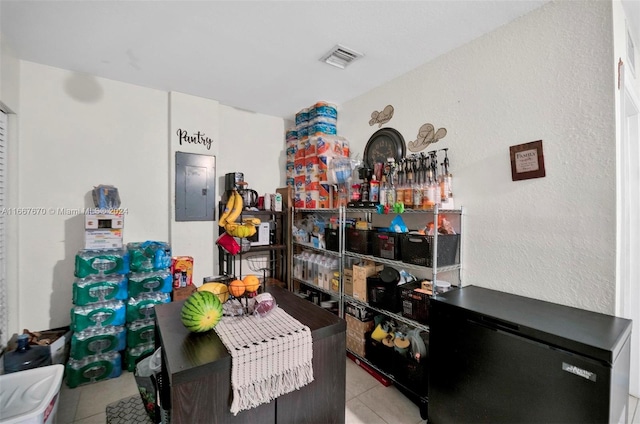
[[270, 357]]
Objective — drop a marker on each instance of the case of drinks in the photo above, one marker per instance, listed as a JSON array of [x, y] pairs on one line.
[[99, 314], [149, 256], [97, 340], [101, 262], [142, 307], [149, 282], [93, 368], [140, 332], [99, 289], [135, 354]]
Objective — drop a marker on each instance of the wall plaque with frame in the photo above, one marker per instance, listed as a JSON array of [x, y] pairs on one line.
[[527, 161]]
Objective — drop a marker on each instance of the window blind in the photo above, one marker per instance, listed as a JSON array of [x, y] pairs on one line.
[[4, 312]]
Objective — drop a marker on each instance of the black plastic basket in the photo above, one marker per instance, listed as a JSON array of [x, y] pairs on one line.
[[415, 305], [378, 354], [417, 249], [386, 245], [411, 373], [358, 241], [332, 239]]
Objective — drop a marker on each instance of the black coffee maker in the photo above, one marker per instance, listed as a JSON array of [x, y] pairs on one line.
[[235, 180]]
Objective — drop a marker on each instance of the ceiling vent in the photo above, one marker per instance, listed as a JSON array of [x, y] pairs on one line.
[[341, 56]]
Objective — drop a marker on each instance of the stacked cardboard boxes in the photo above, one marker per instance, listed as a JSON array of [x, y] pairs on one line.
[[356, 334]]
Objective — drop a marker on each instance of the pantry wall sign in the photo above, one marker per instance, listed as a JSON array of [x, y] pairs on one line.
[[197, 137], [527, 161]]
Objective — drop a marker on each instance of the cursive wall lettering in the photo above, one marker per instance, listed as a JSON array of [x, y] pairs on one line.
[[195, 138]]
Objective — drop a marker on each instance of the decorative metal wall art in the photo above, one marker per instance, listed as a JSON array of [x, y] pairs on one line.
[[381, 117], [426, 136]]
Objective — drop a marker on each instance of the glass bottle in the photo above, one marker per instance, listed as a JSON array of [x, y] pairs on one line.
[[408, 191], [417, 195]]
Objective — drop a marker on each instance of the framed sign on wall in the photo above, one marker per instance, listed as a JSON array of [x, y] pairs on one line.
[[527, 161]]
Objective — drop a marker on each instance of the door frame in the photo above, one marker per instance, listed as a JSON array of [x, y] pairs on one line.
[[628, 220]]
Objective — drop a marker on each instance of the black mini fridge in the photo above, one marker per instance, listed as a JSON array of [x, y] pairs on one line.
[[500, 358]]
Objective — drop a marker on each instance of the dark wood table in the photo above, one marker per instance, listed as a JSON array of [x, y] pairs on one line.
[[198, 369]]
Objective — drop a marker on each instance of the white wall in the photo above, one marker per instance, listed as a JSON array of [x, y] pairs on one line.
[[252, 143], [546, 76], [193, 238], [78, 131]]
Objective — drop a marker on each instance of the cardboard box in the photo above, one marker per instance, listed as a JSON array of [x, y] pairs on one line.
[[103, 239], [356, 344], [57, 339], [360, 274], [103, 221], [276, 202], [182, 293], [348, 285], [357, 327]]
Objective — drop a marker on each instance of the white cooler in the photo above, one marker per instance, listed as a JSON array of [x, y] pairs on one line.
[[30, 396]]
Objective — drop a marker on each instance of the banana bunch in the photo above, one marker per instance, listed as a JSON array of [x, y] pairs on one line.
[[232, 211], [240, 229]]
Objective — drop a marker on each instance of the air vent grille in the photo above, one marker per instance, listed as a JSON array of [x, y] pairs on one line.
[[341, 56]]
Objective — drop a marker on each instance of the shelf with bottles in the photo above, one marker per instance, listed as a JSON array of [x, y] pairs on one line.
[[315, 286]]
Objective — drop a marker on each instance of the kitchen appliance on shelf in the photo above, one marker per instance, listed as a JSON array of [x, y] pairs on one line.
[[235, 181], [496, 357]]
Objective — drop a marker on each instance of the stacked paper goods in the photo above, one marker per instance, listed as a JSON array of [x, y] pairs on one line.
[[311, 146]]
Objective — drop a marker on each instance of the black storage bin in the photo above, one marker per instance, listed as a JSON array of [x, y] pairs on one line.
[[382, 295], [358, 241], [411, 373], [378, 354], [332, 239], [386, 245], [415, 305], [416, 249]]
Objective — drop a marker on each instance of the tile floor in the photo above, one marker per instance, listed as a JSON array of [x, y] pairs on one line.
[[368, 401]]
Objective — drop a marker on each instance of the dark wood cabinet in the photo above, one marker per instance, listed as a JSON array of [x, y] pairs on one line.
[[197, 368]]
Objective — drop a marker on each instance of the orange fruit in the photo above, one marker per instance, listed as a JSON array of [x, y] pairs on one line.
[[236, 288], [252, 283]]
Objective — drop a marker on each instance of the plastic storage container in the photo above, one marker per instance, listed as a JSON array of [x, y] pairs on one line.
[[417, 249], [31, 396], [415, 305], [358, 241], [386, 245]]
